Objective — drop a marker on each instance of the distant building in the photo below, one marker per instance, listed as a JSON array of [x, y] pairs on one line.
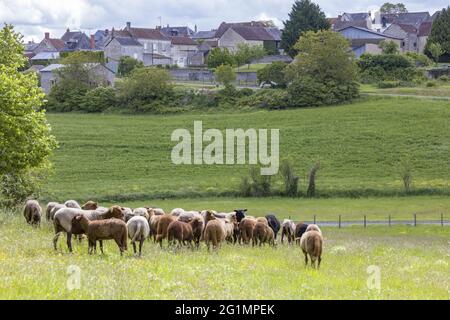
[[77, 41], [178, 31], [49, 44], [366, 41], [182, 49], [49, 77]]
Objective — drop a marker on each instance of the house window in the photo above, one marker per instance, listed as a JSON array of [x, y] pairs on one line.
[[403, 43], [135, 55], [415, 44]]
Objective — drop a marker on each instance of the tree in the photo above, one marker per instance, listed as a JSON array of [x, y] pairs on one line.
[[389, 47], [436, 51], [305, 16], [246, 53], [389, 8], [25, 139], [127, 65], [273, 72], [225, 75], [145, 85], [324, 71], [440, 32], [218, 57]]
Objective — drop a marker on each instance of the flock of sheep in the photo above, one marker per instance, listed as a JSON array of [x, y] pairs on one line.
[[180, 227]]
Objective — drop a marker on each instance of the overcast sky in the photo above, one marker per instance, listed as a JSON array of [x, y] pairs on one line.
[[34, 17]]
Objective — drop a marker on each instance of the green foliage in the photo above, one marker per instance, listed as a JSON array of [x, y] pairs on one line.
[[127, 65], [98, 100], [273, 72], [85, 56], [305, 16], [440, 32], [389, 84], [419, 59], [144, 87], [324, 72], [225, 75], [387, 67], [390, 8], [430, 84], [218, 57], [25, 139], [389, 47], [246, 53], [435, 51], [290, 179], [271, 99]]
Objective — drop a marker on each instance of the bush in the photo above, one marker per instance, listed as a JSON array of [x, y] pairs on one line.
[[289, 178], [388, 84], [444, 78], [266, 99], [431, 84], [143, 87], [225, 75], [66, 96], [99, 100], [127, 65], [306, 92], [418, 59], [273, 72]]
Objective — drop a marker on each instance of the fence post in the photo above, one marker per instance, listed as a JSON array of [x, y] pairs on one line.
[[442, 219], [389, 220], [314, 219], [339, 221], [415, 220], [365, 221]]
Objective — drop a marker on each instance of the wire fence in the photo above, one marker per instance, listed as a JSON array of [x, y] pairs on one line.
[[389, 221]]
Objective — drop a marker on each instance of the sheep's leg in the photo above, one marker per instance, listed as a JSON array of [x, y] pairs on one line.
[[69, 242], [134, 247], [319, 261], [140, 247], [55, 240], [101, 246], [306, 260]]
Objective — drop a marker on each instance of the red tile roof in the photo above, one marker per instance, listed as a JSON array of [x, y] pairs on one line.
[[58, 44], [183, 41], [253, 33], [425, 29], [408, 28]]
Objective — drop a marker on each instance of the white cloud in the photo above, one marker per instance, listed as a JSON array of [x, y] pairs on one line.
[[34, 17]]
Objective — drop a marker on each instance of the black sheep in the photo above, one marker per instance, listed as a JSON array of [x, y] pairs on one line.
[[274, 224], [300, 229], [240, 214]]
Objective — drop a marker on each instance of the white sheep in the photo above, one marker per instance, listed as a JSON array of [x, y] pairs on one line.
[[176, 212], [288, 230], [72, 204], [138, 230], [33, 212], [49, 209]]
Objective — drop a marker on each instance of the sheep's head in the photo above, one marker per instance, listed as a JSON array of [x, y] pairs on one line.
[[117, 212], [240, 214], [90, 205]]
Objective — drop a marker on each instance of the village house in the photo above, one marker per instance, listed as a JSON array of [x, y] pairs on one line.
[[360, 20], [49, 45], [101, 74], [255, 33], [366, 41], [119, 47], [181, 51], [178, 31]]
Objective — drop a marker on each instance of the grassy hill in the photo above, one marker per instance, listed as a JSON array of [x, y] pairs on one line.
[[360, 146]]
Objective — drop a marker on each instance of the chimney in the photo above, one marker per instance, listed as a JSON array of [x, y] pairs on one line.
[[92, 42], [167, 26], [128, 26], [68, 30], [47, 35], [195, 29], [112, 32]]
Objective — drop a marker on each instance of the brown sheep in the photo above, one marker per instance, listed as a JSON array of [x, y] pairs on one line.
[[263, 234], [33, 213], [163, 225], [154, 220], [214, 233], [180, 231], [246, 230], [198, 226], [312, 243], [110, 229], [90, 205], [263, 220]]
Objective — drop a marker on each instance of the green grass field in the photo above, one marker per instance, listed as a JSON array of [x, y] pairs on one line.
[[360, 146], [413, 264], [441, 90]]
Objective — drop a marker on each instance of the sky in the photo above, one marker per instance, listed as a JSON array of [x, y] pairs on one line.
[[35, 17]]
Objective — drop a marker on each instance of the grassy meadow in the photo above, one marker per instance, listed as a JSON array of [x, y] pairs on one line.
[[361, 148], [413, 264]]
